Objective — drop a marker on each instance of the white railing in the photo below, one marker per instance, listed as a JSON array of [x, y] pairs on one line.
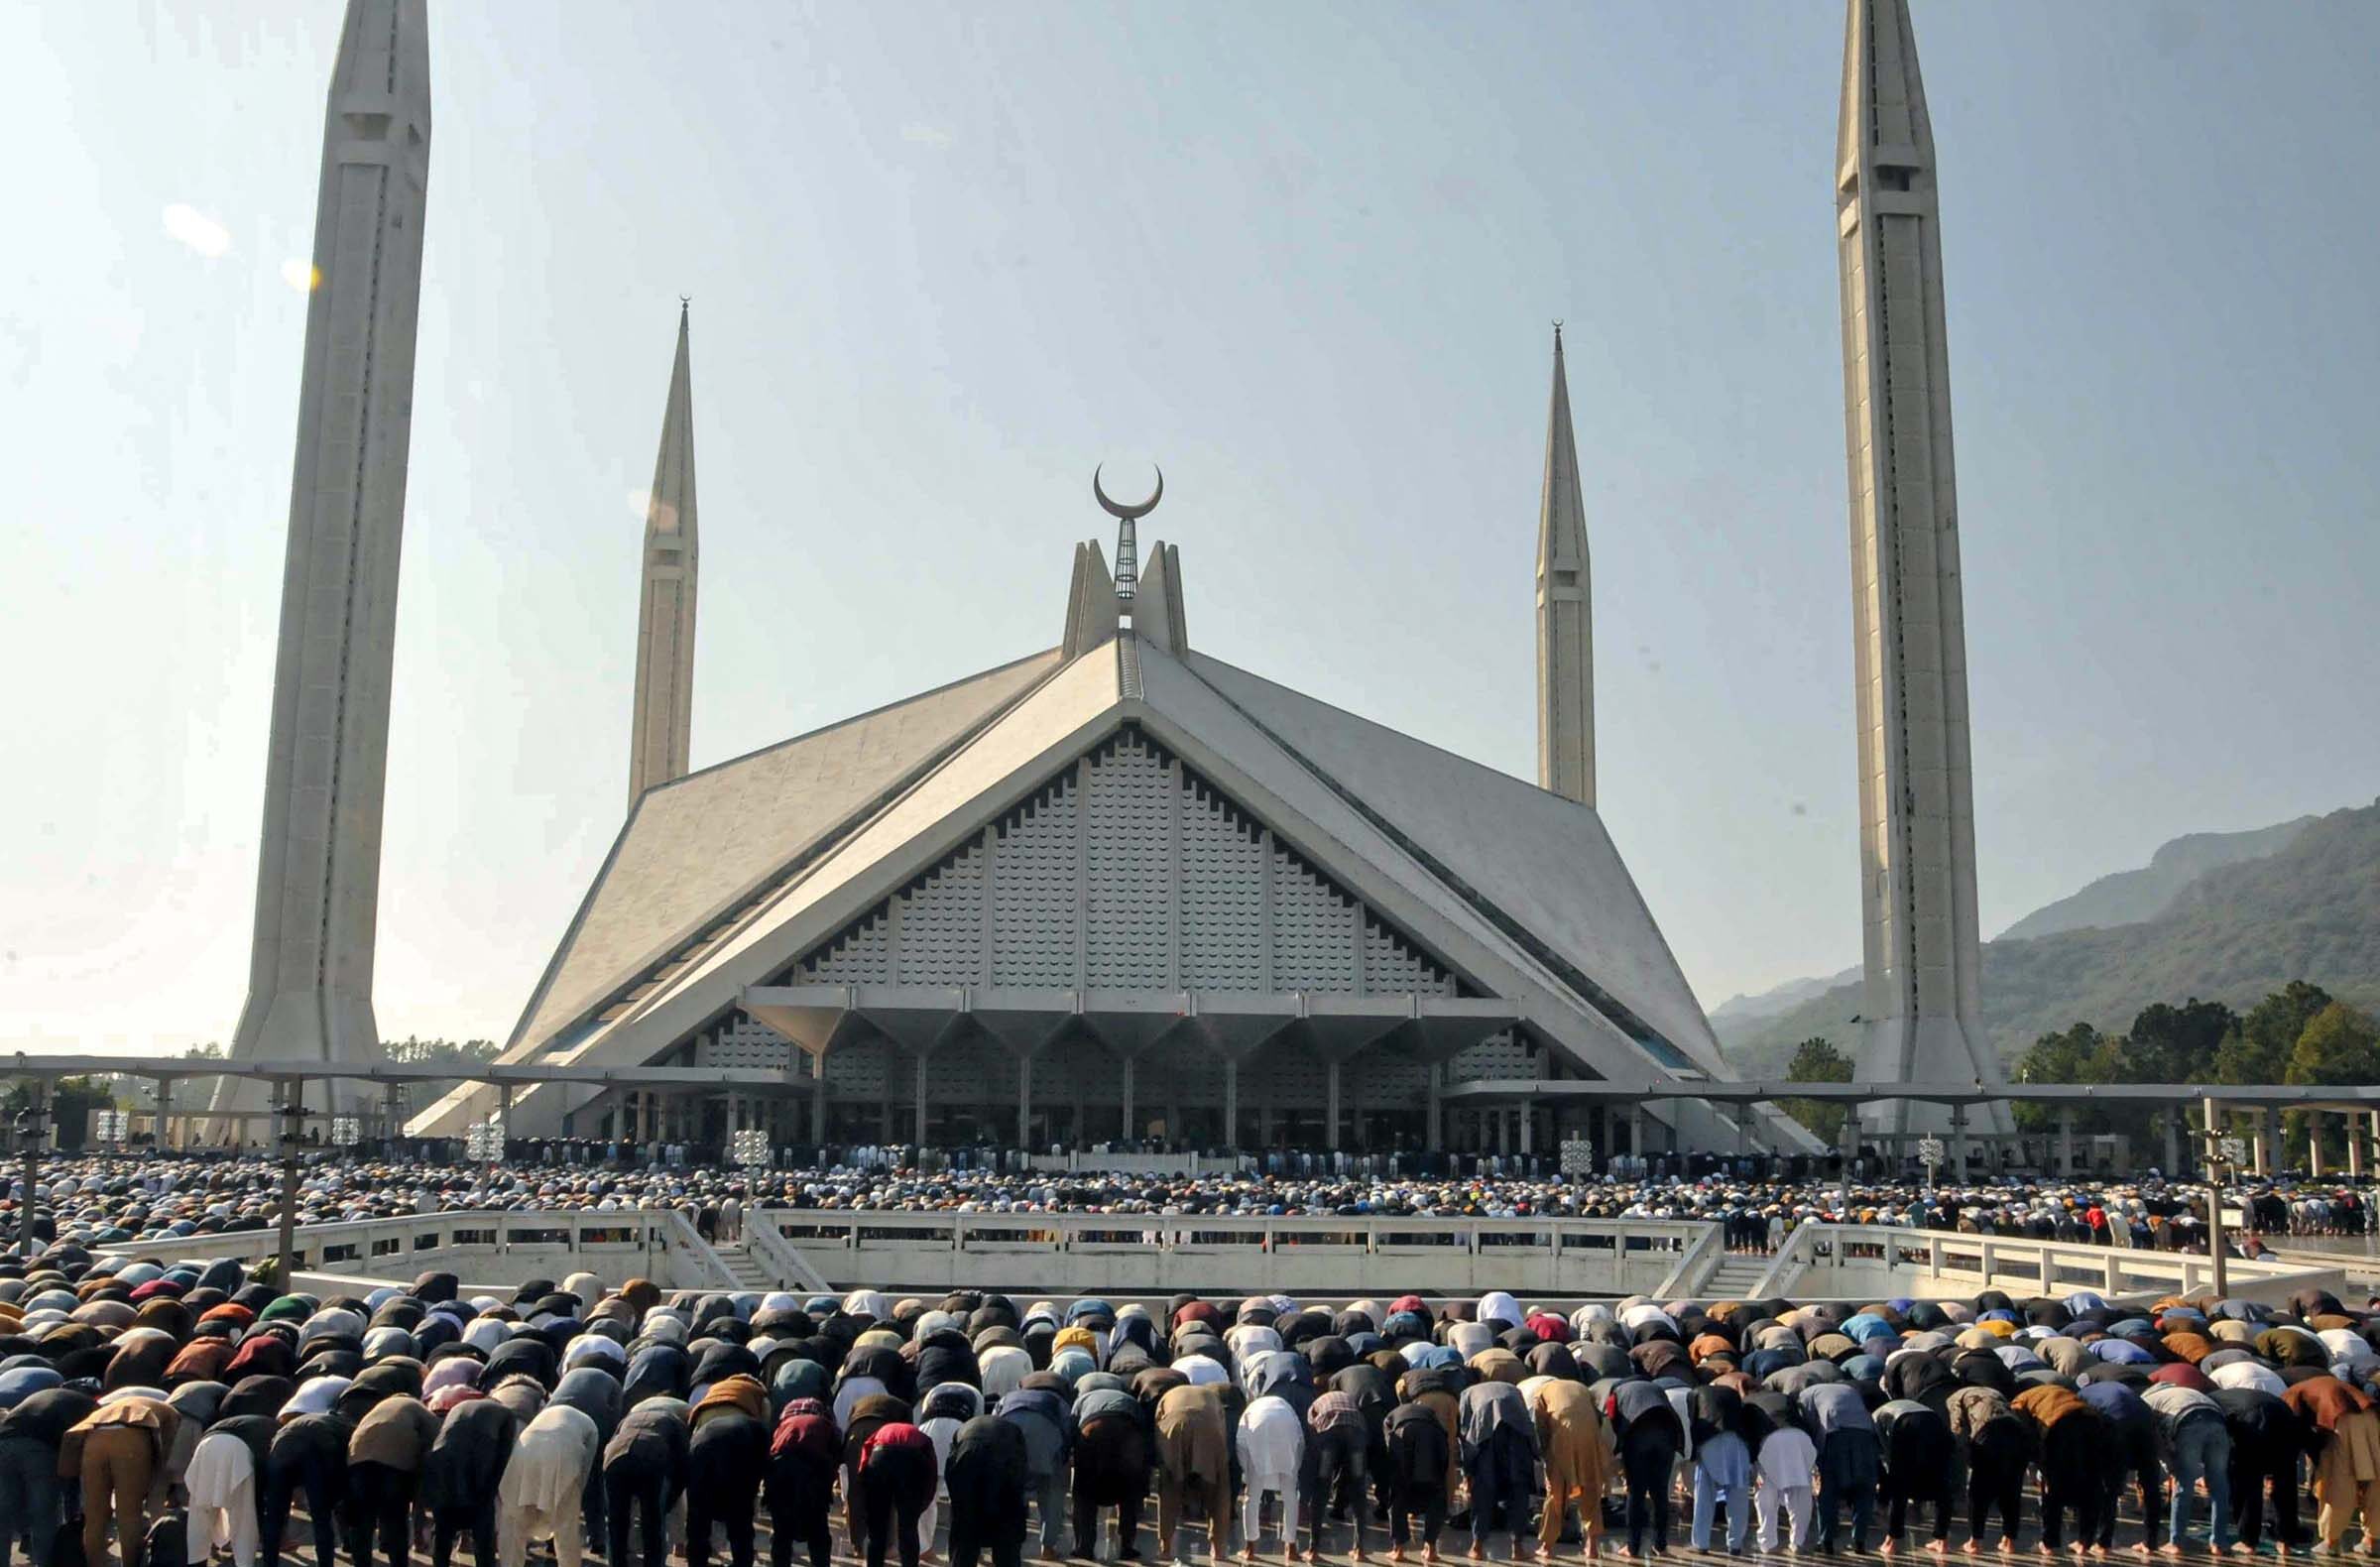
[[695, 1257], [1970, 1263], [1695, 1267], [779, 1256], [1790, 1261]]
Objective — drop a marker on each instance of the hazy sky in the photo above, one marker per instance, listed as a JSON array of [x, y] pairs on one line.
[[944, 260]]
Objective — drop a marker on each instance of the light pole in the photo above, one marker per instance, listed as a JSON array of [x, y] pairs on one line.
[[32, 1136], [345, 1133], [2222, 1151], [290, 1115], [1577, 1158]]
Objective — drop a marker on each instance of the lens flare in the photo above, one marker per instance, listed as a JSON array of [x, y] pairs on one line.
[[196, 230], [301, 274]]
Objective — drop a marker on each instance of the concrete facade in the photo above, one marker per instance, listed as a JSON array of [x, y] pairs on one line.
[[1565, 613], [662, 726], [1119, 889], [1917, 839], [309, 987]]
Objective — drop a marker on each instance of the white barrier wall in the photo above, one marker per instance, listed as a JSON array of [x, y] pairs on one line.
[[1828, 1262]]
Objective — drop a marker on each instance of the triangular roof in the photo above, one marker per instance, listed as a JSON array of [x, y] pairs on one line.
[[697, 849], [1537, 863], [1519, 891]]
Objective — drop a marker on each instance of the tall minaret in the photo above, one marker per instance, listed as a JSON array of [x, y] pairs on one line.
[[657, 747], [1917, 827], [317, 895], [1565, 613]]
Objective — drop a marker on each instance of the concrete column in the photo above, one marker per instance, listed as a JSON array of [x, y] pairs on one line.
[[2275, 1153], [1959, 1143], [818, 1100], [1636, 1130], [1024, 1103], [2173, 1143], [1330, 1106], [1267, 1127], [2066, 1142], [1433, 1130], [1528, 1128], [921, 1106], [2314, 1143], [1128, 1064], [2354, 1147], [165, 1115], [504, 1117], [1231, 1104]]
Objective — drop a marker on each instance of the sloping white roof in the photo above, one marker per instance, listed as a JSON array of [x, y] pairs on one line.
[[1543, 862], [694, 849], [1369, 843]]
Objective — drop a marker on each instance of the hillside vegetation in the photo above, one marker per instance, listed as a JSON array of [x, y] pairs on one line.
[[2233, 935]]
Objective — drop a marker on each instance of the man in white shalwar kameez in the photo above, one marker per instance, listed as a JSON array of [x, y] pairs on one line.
[[221, 1482], [543, 1484], [1273, 1443]]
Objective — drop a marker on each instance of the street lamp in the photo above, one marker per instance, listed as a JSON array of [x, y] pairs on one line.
[[750, 1149], [345, 1133], [1577, 1158], [2223, 1153], [483, 1142], [1930, 1151]]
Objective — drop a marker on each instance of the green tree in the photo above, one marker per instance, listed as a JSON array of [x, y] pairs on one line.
[[2177, 1044], [1817, 1060], [2259, 1049], [2341, 1046]]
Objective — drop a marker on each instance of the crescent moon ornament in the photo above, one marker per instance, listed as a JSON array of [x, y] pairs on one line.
[[1117, 510]]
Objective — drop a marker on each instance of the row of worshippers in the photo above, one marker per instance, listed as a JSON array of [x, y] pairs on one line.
[[182, 1407]]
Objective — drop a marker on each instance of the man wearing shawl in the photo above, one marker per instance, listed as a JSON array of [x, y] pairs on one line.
[[1499, 1458], [986, 1474]]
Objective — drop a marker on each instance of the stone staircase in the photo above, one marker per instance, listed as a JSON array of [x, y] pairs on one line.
[[748, 1271], [1736, 1276]]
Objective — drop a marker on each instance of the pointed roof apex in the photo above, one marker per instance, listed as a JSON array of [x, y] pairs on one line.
[[1883, 96], [1562, 516], [670, 509]]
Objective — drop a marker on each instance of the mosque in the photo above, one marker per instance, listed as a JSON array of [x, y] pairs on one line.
[[1114, 890]]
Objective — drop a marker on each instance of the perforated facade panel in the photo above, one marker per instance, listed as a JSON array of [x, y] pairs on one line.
[[1129, 854], [1036, 888], [1176, 881]]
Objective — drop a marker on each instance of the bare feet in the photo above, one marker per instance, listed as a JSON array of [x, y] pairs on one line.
[[2170, 1549], [1396, 1553], [1476, 1554], [1940, 1547], [2042, 1549], [1248, 1553], [1972, 1547], [1889, 1548]]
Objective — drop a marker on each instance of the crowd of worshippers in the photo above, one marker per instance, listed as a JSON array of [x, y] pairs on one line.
[[176, 1412], [98, 1200]]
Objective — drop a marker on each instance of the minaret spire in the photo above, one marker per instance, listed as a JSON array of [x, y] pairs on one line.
[[657, 742], [1565, 611], [1922, 1005], [317, 893]]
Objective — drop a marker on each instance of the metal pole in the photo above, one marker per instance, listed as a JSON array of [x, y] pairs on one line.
[[36, 1106], [293, 1110], [2215, 1247]]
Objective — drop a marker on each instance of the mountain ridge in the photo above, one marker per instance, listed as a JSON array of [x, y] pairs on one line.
[[2233, 932]]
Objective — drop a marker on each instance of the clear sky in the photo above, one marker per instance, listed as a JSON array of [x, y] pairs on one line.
[[945, 258]]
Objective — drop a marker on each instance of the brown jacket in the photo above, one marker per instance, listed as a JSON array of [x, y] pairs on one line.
[[2048, 1404], [397, 1434], [1194, 1434], [161, 1421]]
